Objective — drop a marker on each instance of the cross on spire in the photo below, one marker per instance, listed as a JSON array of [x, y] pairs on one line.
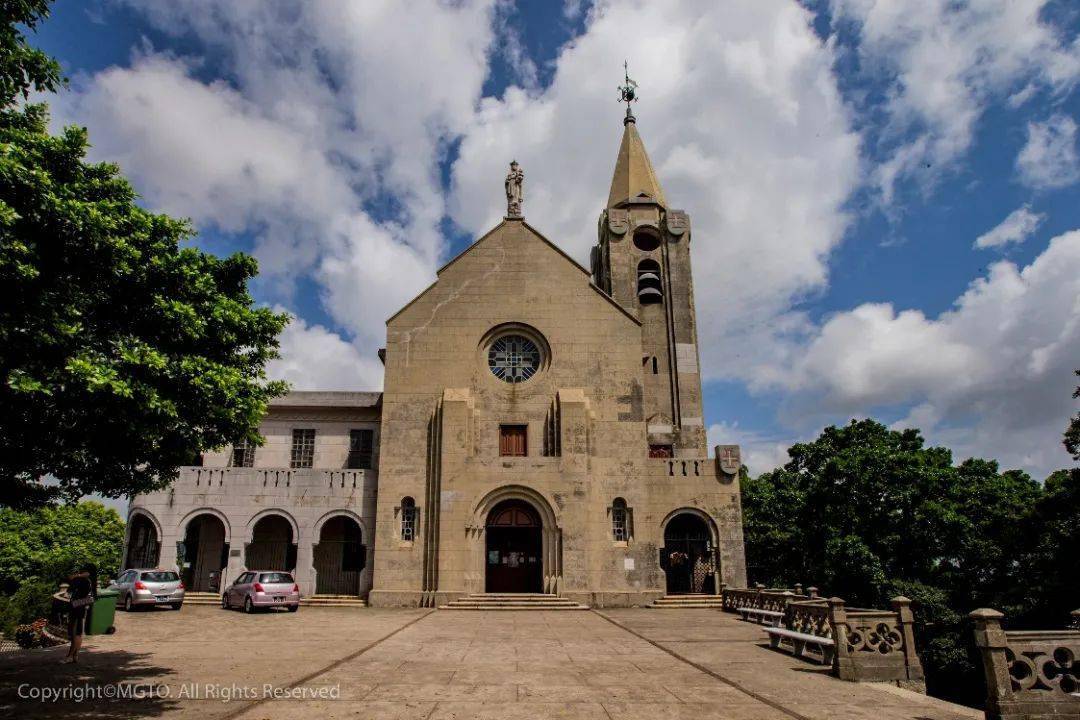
[[628, 92]]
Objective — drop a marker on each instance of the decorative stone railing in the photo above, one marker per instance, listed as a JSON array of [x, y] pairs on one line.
[[1029, 673], [255, 478], [871, 645], [762, 598], [810, 617], [875, 645]]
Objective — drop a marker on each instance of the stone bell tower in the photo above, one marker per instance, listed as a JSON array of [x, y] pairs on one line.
[[642, 259]]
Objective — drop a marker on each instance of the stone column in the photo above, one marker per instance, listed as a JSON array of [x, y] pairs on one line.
[[992, 643], [906, 625], [305, 564], [843, 664], [237, 554], [812, 592], [167, 556]]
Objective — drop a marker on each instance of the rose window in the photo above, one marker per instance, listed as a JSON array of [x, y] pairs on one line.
[[514, 358]]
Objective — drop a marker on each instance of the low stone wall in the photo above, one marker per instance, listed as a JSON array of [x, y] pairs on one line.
[[876, 645], [871, 645], [1030, 674]]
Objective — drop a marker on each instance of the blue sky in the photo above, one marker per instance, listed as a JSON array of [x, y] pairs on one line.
[[839, 161]]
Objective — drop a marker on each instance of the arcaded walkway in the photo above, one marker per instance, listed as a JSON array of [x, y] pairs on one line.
[[618, 664]]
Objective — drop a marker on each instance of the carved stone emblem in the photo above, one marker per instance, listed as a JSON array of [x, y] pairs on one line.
[[618, 220], [729, 458], [678, 222]]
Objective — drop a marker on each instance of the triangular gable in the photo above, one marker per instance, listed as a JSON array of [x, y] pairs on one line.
[[535, 233]]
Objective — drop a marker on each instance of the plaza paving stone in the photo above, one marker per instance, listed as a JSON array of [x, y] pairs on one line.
[[612, 664]]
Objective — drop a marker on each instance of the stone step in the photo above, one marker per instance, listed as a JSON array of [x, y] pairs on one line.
[[689, 601], [203, 598], [512, 601], [518, 608]]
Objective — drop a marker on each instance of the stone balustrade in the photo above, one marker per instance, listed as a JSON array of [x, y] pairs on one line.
[[876, 645], [871, 645], [762, 598], [1030, 674], [332, 481]]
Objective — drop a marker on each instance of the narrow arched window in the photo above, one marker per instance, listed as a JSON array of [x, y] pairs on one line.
[[620, 528], [408, 519], [650, 289]]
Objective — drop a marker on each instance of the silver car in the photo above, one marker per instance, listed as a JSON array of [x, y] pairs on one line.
[[256, 589], [146, 588]]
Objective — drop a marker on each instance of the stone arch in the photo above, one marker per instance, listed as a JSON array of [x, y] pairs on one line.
[[317, 527], [132, 512], [142, 548], [276, 547], [339, 561], [206, 511], [205, 548], [551, 535], [254, 520], [714, 533], [682, 552], [484, 505]]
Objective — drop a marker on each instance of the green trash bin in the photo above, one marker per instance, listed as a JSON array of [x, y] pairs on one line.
[[102, 613]]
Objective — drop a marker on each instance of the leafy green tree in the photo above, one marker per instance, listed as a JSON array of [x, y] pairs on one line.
[[123, 352], [1052, 566], [39, 548], [1072, 433], [867, 513]]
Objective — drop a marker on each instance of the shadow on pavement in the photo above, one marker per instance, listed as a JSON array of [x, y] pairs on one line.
[[25, 676]]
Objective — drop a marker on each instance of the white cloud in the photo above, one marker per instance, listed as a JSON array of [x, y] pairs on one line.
[[324, 141], [314, 358], [1016, 228], [1049, 159], [760, 452], [991, 377], [741, 115], [948, 61]]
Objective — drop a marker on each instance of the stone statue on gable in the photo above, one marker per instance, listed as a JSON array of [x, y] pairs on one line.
[[514, 194]]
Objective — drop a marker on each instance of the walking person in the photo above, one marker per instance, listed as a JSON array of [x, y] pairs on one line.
[[82, 588]]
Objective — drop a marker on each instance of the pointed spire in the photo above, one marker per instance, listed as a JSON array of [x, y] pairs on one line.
[[634, 174]]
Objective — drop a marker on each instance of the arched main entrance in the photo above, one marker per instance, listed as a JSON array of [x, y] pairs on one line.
[[204, 553], [513, 549], [271, 546], [688, 557], [143, 545], [339, 557]]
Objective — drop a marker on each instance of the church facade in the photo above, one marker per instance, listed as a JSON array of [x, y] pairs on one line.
[[540, 430]]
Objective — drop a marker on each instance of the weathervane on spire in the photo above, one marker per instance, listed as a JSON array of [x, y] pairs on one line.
[[628, 92]]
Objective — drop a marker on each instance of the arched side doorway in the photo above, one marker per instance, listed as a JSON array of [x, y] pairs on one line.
[[688, 557], [143, 544], [340, 557], [203, 553], [271, 546], [513, 549]]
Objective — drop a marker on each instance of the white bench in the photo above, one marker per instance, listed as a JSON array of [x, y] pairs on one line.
[[762, 617], [799, 641]]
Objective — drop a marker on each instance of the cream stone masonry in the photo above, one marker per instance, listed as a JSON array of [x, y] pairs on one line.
[[541, 430]]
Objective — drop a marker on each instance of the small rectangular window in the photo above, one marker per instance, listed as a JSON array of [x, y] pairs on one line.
[[513, 440], [660, 451], [361, 449], [303, 448], [243, 454]]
